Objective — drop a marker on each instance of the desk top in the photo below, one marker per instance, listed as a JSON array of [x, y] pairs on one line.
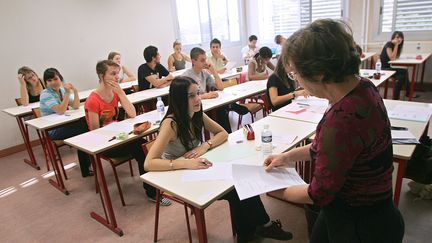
[[410, 58], [367, 55], [385, 74], [202, 194]]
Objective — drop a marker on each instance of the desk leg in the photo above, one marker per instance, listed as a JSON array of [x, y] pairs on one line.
[[399, 177], [24, 132], [422, 76], [109, 221], [59, 184], [200, 223], [385, 88], [412, 82]]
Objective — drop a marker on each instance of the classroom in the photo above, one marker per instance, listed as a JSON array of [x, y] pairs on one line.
[[216, 121]]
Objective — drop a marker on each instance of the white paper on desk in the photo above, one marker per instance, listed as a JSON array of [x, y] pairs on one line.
[[219, 171], [302, 116], [56, 117], [230, 65], [283, 139], [411, 113], [398, 134], [250, 180], [312, 101], [118, 127]]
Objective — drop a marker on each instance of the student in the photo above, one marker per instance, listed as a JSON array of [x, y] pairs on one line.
[[249, 51], [101, 109], [55, 99], [152, 73], [30, 85], [177, 60], [390, 52], [281, 89], [257, 68], [215, 57], [180, 134], [116, 57], [200, 72], [352, 149], [279, 40]]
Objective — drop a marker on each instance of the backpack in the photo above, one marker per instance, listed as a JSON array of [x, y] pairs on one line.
[[419, 167]]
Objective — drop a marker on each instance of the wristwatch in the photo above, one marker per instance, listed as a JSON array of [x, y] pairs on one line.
[[210, 143], [293, 93]]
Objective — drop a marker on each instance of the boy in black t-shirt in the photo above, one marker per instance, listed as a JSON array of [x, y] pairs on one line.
[[152, 73]]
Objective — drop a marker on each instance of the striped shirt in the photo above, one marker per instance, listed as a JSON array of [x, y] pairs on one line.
[[49, 98]]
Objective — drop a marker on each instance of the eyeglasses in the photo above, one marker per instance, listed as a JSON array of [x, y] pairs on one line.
[[292, 75]]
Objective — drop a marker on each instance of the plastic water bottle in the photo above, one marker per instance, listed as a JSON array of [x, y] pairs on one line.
[[378, 66], [266, 141], [160, 107]]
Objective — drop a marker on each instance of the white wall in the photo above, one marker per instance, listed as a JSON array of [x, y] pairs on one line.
[[72, 35]]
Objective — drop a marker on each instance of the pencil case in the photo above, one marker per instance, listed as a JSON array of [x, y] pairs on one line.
[[249, 132], [141, 127]]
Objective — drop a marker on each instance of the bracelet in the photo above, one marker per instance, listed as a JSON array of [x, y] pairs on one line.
[[171, 165]]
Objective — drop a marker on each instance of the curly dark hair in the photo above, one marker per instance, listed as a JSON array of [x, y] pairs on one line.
[[325, 47]]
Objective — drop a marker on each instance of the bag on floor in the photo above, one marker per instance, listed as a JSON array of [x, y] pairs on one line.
[[419, 167]]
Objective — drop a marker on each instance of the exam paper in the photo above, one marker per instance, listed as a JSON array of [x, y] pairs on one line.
[[403, 137], [411, 113], [219, 171], [250, 180]]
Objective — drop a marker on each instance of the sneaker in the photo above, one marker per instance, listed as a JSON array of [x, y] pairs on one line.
[[273, 231], [163, 201]]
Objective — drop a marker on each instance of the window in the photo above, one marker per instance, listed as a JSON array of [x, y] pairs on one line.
[[284, 17], [405, 15], [199, 21]]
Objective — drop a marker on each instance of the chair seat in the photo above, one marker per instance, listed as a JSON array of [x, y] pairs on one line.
[[120, 159], [58, 143], [252, 107]]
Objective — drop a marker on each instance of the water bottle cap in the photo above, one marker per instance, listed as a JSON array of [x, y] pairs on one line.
[[266, 126], [159, 98]]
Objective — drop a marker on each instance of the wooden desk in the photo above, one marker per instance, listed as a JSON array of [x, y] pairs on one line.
[[385, 75], [47, 123], [403, 153], [409, 60], [201, 195], [96, 142]]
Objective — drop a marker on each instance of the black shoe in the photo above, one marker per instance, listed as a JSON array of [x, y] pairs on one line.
[[89, 173], [246, 238], [274, 231]]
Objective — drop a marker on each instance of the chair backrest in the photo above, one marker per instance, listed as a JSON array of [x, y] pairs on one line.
[[18, 101], [147, 146], [230, 82], [135, 88], [36, 112]]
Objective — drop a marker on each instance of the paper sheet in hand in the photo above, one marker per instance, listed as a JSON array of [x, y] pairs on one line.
[[250, 180], [219, 171], [411, 113]]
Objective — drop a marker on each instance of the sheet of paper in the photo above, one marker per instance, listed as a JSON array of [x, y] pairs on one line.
[[283, 139], [313, 101], [401, 134], [118, 127], [230, 65], [252, 180], [411, 113], [219, 171], [56, 117]]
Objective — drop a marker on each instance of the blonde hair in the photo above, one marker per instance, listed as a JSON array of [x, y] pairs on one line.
[[112, 54]]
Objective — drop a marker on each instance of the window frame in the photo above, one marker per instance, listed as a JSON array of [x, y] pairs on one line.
[[206, 45], [385, 36]]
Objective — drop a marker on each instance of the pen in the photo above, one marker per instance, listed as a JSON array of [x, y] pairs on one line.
[[303, 104], [111, 139]]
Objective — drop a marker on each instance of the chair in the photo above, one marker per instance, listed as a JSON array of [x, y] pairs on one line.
[[146, 148], [57, 144], [253, 106], [117, 161]]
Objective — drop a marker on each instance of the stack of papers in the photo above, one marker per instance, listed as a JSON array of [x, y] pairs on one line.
[[250, 180], [403, 137], [410, 113]]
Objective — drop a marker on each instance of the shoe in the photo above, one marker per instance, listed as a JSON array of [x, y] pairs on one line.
[[246, 238], [89, 173], [415, 96], [273, 231], [163, 201]]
